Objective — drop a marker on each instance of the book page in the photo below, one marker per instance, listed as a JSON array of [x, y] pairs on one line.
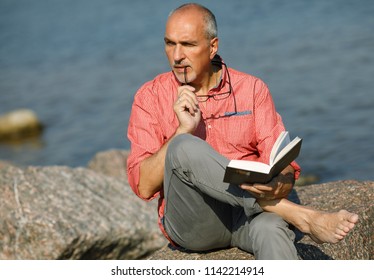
[[282, 141], [250, 165], [287, 149]]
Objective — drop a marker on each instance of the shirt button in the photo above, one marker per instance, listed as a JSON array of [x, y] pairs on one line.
[[209, 126]]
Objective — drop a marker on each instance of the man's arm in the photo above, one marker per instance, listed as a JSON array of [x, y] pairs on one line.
[[152, 172], [152, 168]]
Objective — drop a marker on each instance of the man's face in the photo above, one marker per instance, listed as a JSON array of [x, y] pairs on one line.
[[187, 46]]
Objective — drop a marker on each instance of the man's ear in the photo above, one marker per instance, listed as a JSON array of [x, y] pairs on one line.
[[213, 47]]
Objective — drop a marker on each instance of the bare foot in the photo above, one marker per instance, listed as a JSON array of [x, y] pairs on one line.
[[331, 227]]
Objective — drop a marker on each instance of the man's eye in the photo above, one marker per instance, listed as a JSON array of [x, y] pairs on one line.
[[169, 43]]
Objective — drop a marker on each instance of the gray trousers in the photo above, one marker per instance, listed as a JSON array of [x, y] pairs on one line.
[[204, 213]]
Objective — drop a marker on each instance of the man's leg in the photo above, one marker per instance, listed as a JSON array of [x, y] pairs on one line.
[[199, 166], [200, 206], [266, 235], [321, 226], [194, 220], [193, 217]]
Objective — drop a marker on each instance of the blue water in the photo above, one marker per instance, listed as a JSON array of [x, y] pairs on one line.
[[78, 63]]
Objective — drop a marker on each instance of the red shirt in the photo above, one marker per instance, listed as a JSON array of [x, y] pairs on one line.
[[248, 134]]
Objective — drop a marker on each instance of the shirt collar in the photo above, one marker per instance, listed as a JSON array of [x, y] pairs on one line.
[[217, 60]]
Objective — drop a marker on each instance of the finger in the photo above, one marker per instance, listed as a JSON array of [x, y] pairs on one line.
[[251, 188], [188, 97], [188, 100], [257, 193], [188, 87], [186, 105], [187, 91], [262, 187]]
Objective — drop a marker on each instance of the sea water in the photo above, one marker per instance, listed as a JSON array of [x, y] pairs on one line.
[[78, 63]]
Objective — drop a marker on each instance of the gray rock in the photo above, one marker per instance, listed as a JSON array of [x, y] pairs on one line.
[[64, 213], [76, 213], [353, 196], [112, 163]]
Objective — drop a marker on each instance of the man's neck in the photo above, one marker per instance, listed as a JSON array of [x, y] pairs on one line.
[[212, 80]]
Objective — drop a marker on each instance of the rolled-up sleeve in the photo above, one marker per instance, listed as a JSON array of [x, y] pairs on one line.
[[144, 134]]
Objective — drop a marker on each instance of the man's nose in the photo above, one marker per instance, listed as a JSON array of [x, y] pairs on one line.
[[178, 54]]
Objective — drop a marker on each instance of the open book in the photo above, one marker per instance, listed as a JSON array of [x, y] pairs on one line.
[[282, 154]]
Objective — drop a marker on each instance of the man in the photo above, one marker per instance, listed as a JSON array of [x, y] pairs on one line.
[[184, 128]]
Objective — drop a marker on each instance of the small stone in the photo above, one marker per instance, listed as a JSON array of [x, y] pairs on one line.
[[19, 124]]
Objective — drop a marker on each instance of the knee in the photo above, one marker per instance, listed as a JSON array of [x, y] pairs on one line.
[[182, 142], [182, 147]]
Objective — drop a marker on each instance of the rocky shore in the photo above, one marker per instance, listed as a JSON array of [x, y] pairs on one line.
[[58, 212]]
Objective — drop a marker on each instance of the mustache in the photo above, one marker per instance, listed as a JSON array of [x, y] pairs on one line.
[[179, 65]]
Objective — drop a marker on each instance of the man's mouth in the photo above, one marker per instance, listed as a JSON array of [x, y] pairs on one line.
[[180, 69]]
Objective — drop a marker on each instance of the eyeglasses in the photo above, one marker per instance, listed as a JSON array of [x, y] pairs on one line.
[[220, 96]]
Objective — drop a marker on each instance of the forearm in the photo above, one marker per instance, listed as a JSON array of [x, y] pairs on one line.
[[152, 171]]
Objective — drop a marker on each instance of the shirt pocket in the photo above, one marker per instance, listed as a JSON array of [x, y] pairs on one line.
[[239, 133]]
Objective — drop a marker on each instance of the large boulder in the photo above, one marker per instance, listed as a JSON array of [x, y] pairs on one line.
[[65, 213], [76, 213], [354, 196], [112, 163]]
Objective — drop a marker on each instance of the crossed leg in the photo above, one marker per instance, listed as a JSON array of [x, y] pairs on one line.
[[202, 162], [321, 226]]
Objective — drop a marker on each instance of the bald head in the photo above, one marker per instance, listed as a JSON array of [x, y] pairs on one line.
[[197, 10], [191, 43]]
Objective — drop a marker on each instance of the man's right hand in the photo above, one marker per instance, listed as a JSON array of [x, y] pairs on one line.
[[186, 107]]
